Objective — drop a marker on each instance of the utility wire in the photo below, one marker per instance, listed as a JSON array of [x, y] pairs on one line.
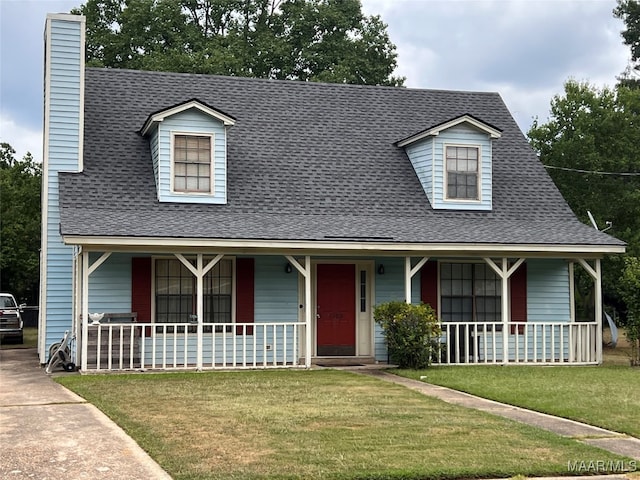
[[621, 174]]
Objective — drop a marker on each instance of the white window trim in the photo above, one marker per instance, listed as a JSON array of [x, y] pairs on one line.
[[445, 186], [212, 190], [189, 257]]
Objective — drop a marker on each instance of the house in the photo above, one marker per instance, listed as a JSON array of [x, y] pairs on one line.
[[197, 221]]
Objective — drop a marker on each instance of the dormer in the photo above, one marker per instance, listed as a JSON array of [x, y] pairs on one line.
[[189, 152], [453, 161]]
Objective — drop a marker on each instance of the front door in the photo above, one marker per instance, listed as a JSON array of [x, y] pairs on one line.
[[336, 305]]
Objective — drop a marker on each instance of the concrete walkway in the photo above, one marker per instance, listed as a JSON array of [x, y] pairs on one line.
[[47, 432], [599, 437]]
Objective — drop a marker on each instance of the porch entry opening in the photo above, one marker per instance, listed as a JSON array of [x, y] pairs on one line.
[[336, 310]]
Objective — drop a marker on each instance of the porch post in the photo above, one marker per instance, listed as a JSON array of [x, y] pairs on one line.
[[505, 312], [599, 311], [85, 309], [409, 273], [305, 271], [596, 273], [504, 272], [199, 310], [407, 279], [307, 301]]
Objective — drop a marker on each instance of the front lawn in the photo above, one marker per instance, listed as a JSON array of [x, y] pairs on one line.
[[606, 396], [316, 425]]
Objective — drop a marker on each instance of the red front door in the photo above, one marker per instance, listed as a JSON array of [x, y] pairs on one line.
[[336, 310]]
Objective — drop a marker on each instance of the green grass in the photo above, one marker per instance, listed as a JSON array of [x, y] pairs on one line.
[[606, 396], [319, 424]]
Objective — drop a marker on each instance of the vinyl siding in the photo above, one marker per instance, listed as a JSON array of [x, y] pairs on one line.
[[421, 156], [63, 112], [110, 284], [548, 295], [462, 135], [276, 292], [192, 121]]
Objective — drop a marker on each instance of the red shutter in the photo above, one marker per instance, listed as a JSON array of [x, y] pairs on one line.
[[245, 272], [429, 284], [141, 288], [519, 297]]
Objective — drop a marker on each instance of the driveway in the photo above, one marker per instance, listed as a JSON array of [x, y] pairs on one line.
[[48, 432]]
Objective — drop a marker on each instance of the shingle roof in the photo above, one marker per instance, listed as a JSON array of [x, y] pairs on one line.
[[306, 161]]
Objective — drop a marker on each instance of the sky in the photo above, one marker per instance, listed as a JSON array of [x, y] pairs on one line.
[[523, 49]]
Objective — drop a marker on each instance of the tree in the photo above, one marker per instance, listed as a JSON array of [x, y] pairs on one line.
[[20, 225], [630, 283], [629, 12], [311, 40], [591, 131]]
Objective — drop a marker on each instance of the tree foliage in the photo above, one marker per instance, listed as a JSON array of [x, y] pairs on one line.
[[629, 12], [311, 40], [20, 182], [630, 286], [597, 130]]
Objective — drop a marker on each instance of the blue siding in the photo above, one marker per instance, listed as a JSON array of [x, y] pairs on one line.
[[276, 292], [548, 297], [110, 284], [153, 143], [421, 156], [462, 135], [192, 121], [64, 57]]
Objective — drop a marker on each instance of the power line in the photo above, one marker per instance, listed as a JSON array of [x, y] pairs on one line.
[[595, 172]]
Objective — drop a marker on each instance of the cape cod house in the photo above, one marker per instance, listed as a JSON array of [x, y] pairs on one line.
[[198, 221]]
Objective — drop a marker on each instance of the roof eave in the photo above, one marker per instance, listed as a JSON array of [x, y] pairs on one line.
[[155, 118], [435, 131], [368, 247]]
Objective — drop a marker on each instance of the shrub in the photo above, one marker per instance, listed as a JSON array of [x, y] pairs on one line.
[[630, 286], [411, 331]]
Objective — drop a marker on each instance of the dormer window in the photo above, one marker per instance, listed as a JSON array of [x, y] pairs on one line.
[[462, 173], [453, 161], [192, 170]]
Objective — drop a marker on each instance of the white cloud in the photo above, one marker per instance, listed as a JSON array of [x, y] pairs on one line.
[[22, 139]]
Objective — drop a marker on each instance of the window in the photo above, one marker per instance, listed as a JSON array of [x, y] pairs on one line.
[[175, 292], [469, 292], [462, 173], [192, 170]]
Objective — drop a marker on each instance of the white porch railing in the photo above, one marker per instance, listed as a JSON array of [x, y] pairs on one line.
[[539, 343], [142, 346]]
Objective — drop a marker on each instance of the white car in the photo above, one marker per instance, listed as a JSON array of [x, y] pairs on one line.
[[10, 318]]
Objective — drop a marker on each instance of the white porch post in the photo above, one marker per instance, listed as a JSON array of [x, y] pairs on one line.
[[85, 309], [87, 270], [199, 310], [599, 311], [504, 272], [596, 274], [409, 273], [305, 271], [199, 271]]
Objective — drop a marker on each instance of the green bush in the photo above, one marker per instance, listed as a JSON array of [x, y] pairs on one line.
[[630, 286], [411, 331]]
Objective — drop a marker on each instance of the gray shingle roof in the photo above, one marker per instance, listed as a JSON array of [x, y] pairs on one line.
[[306, 161]]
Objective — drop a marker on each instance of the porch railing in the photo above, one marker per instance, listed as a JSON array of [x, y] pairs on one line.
[[142, 346], [517, 342]]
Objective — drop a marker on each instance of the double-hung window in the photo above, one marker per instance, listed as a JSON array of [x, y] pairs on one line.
[[192, 164], [469, 292], [175, 292], [462, 173]]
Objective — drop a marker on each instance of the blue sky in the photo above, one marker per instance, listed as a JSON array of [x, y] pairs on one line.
[[523, 49]]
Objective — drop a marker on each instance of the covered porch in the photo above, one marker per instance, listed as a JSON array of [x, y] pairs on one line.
[[290, 324]]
